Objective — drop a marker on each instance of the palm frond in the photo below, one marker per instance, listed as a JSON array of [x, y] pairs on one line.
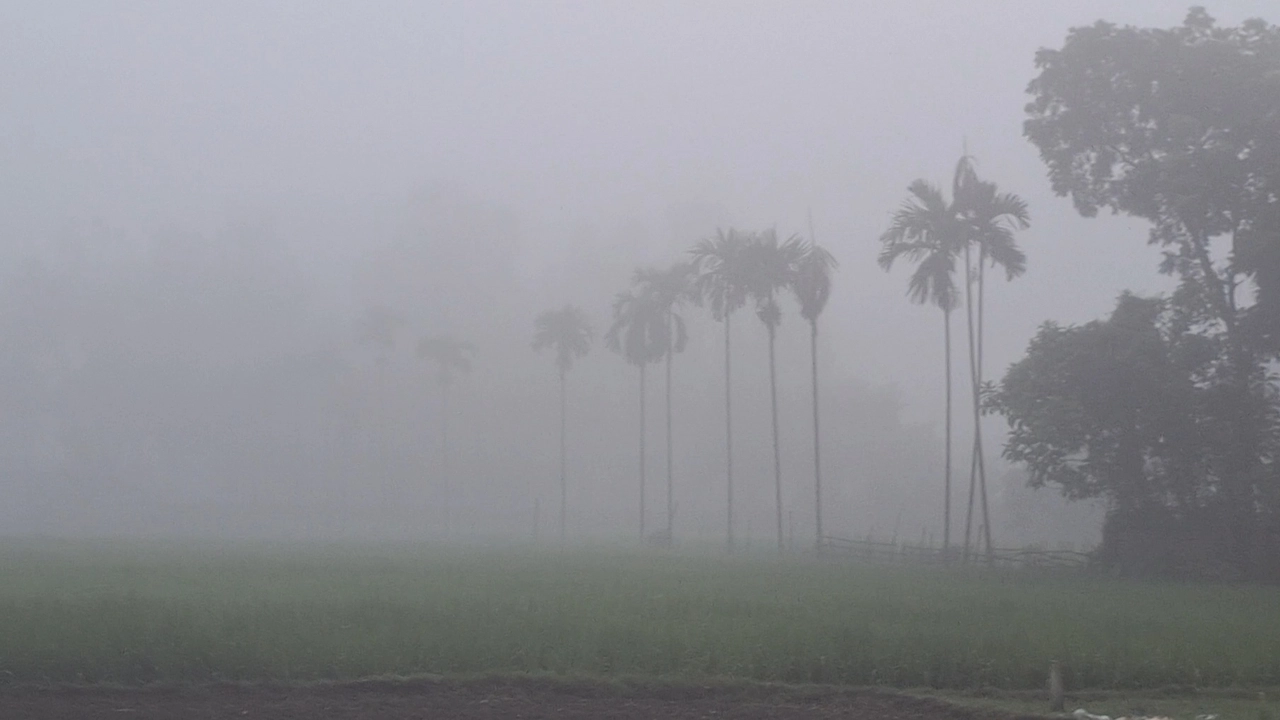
[[567, 331], [812, 281]]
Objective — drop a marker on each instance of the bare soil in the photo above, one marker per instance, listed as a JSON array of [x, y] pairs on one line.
[[526, 699]]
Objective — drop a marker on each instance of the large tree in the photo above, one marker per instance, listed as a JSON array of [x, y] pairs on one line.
[[450, 356], [812, 287], [770, 266], [667, 292], [722, 283], [569, 334], [1181, 127], [925, 231], [1117, 409], [637, 335], [1106, 409]]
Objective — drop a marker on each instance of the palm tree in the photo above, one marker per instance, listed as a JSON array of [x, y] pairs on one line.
[[812, 287], [925, 230], [667, 292], [722, 282], [450, 356], [989, 219], [379, 329], [636, 334], [566, 331], [770, 266]]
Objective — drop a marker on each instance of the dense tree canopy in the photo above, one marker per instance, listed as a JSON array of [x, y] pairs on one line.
[[1171, 403], [1106, 409], [1179, 126]]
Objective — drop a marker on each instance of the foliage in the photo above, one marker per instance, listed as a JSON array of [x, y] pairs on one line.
[[811, 282], [988, 219], [925, 231], [1109, 409], [667, 292], [769, 265], [1181, 127], [450, 355], [722, 273], [379, 328], [933, 232], [637, 330], [567, 331]]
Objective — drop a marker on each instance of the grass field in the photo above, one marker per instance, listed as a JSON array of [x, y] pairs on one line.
[[132, 613], [1178, 704]]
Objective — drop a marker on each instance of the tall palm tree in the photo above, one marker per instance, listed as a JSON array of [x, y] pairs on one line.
[[636, 334], [812, 287], [925, 230], [989, 219], [379, 329], [769, 267], [568, 332], [668, 292], [722, 283], [450, 356]]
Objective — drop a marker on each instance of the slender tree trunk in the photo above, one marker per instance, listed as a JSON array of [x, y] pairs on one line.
[[946, 475], [564, 477], [973, 386], [977, 401], [642, 451], [728, 433], [817, 438], [671, 498], [777, 453], [445, 466]]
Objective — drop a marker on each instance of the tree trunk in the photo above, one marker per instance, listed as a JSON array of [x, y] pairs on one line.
[[777, 453], [973, 386], [564, 478], [445, 467], [728, 434], [642, 451], [946, 477], [817, 438], [671, 506], [977, 404]]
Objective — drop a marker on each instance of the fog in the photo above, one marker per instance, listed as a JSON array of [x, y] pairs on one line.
[[200, 201]]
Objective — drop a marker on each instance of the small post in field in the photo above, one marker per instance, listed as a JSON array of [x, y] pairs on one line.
[[1055, 687]]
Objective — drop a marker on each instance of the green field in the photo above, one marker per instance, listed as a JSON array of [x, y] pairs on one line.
[[132, 613]]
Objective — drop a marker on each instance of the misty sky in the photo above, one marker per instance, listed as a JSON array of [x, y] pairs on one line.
[[409, 153], [604, 115]]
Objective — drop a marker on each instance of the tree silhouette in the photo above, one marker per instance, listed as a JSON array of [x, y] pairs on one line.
[[988, 219], [722, 282], [770, 266], [636, 333], [1178, 126], [568, 333], [450, 356], [667, 292], [926, 231], [811, 284], [379, 329]]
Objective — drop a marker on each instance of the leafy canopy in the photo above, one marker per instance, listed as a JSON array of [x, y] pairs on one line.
[[566, 331], [1180, 126]]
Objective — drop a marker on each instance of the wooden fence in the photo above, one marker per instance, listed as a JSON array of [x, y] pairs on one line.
[[905, 553]]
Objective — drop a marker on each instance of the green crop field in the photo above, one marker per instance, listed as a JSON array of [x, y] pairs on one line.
[[135, 613]]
